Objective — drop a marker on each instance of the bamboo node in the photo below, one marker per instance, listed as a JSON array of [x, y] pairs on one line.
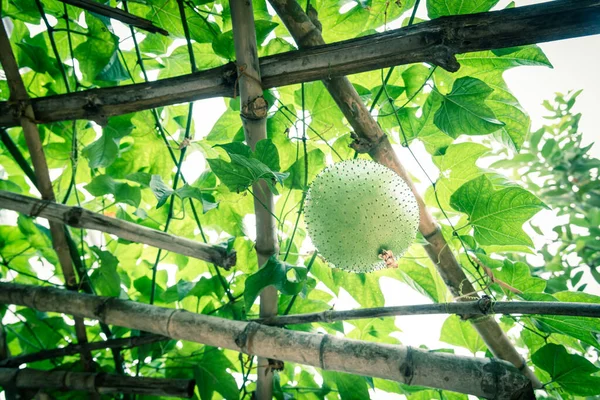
[[255, 109], [485, 304], [245, 337], [322, 351], [360, 145], [433, 233], [168, 325], [73, 217], [101, 308], [407, 368]]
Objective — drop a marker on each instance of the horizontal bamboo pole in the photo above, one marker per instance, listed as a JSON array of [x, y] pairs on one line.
[[99, 383], [484, 306], [489, 378], [75, 348], [119, 15], [435, 42], [80, 218]]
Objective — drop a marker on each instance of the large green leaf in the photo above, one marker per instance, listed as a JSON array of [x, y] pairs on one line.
[[460, 333], [496, 215], [439, 8], [97, 51], [212, 376], [463, 110], [457, 166], [571, 371], [274, 273]]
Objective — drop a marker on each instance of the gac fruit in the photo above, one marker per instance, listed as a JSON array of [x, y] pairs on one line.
[[358, 212]]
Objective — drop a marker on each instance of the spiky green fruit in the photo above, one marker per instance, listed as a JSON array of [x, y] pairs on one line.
[[355, 210]]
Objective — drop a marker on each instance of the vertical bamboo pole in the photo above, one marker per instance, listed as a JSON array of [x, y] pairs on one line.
[[305, 32], [253, 112], [18, 94]]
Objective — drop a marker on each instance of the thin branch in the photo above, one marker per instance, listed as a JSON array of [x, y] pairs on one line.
[[81, 218], [483, 306], [119, 15], [484, 377], [75, 348], [97, 383], [435, 42]]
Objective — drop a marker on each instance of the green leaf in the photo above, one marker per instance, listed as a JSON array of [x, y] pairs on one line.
[[244, 169], [206, 199], [326, 117], [105, 278], [177, 292], [572, 372], [439, 8], [460, 333], [104, 151], [517, 275], [267, 153], [274, 273], [457, 166], [97, 51], [348, 386], [582, 328], [316, 162], [212, 376], [161, 191], [463, 110], [123, 192], [496, 215]]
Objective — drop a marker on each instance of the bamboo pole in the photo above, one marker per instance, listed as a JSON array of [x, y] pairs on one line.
[[119, 15], [489, 378], [97, 383], [253, 111], [18, 93], [483, 306], [376, 142], [75, 348], [80, 218], [446, 36]]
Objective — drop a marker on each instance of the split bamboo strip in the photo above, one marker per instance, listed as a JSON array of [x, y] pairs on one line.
[[253, 111], [489, 378], [97, 383], [119, 15], [75, 348], [372, 140], [484, 306], [430, 41], [18, 93], [80, 218]]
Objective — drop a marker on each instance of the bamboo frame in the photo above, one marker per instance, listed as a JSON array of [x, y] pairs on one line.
[[96, 383], [80, 218], [483, 306], [372, 140], [489, 378], [119, 15], [445, 37], [253, 113], [18, 93]]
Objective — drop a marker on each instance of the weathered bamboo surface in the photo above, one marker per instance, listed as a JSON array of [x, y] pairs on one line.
[[80, 218], [253, 112], [115, 13], [484, 306], [99, 383], [435, 42], [489, 378]]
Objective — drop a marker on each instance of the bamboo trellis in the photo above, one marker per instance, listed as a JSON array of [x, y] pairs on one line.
[[435, 42], [483, 377]]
